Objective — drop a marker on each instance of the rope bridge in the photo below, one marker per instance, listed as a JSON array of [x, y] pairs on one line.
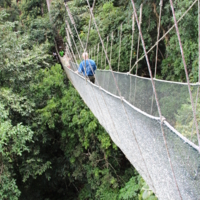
[[134, 111]]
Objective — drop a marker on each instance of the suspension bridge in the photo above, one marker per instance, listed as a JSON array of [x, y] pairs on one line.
[[134, 112]]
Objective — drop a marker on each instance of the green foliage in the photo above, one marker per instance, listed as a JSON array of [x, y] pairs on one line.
[[185, 123], [130, 191], [13, 143]]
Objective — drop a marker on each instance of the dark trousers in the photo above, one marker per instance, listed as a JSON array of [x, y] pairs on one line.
[[92, 79]]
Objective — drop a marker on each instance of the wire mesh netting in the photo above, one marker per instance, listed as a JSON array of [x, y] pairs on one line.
[[173, 98], [136, 130]]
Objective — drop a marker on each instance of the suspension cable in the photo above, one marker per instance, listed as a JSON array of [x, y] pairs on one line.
[[73, 56], [120, 94], [111, 48], [120, 44], [97, 82], [89, 27], [133, 30], [69, 30], [106, 49], [97, 53], [72, 21], [72, 52], [138, 47], [155, 93], [101, 56], [156, 59], [159, 24], [186, 72], [164, 35]]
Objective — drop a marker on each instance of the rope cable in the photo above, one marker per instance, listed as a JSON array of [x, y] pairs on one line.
[[159, 24], [133, 30], [120, 44], [73, 22], [97, 53], [101, 56], [89, 26], [156, 60], [186, 72], [164, 34], [72, 53], [138, 47], [68, 27], [155, 93], [120, 94], [97, 81], [106, 49], [111, 48]]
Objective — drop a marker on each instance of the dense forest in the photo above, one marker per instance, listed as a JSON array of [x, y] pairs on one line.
[[51, 145]]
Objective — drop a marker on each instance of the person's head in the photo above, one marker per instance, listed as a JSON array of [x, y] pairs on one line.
[[85, 55]]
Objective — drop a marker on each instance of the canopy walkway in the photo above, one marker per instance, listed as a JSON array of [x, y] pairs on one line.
[[134, 111]]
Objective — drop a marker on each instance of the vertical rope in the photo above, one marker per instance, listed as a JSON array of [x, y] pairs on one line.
[[97, 54], [186, 72], [111, 48], [120, 96], [89, 26], [94, 52], [154, 89], [71, 34], [131, 55], [106, 49], [72, 53], [138, 47], [101, 56], [165, 34], [120, 43], [133, 30], [156, 61], [72, 21], [158, 36]]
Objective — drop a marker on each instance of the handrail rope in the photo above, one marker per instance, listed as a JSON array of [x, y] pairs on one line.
[[73, 22], [133, 31], [72, 52], [80, 59], [73, 56], [120, 44], [89, 26], [155, 93], [120, 94], [106, 49], [71, 34], [164, 35], [97, 54], [138, 47], [112, 37], [116, 28], [186, 72], [158, 35], [159, 24], [97, 82], [101, 56]]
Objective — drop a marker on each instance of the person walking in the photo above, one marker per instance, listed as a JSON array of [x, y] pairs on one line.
[[87, 67]]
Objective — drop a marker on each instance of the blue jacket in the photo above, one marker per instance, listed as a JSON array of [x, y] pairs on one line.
[[89, 64]]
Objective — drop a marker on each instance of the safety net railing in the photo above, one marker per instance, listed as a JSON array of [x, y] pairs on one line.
[[155, 123], [133, 124]]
